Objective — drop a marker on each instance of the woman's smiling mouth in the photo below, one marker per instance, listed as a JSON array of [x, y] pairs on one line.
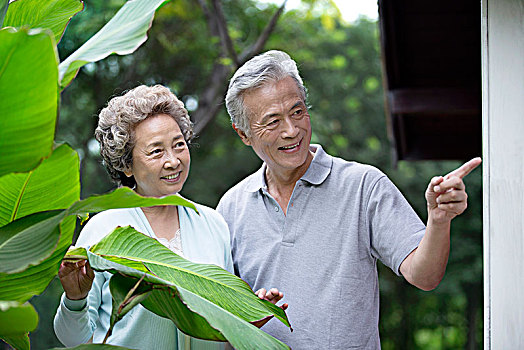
[[172, 177]]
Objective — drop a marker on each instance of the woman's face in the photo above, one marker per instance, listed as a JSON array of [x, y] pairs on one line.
[[160, 162]]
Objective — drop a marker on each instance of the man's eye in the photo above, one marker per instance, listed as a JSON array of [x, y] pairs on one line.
[[297, 112], [156, 151], [273, 122], [180, 144]]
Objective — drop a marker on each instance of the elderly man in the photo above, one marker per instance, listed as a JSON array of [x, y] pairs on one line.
[[314, 225]]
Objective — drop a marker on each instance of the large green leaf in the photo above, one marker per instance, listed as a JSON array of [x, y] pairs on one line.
[[50, 14], [4, 4], [124, 197], [223, 301], [18, 342], [122, 35], [17, 318], [29, 240], [16, 321], [37, 274], [164, 301], [197, 316], [126, 246], [94, 347], [22, 286], [54, 184], [29, 94]]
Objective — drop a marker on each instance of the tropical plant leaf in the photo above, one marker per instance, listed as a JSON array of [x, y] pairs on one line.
[[124, 197], [241, 334], [17, 318], [18, 342], [94, 347], [16, 321], [4, 4], [227, 300], [165, 302], [29, 240], [50, 14], [56, 179], [22, 285], [126, 294], [122, 35], [29, 95]]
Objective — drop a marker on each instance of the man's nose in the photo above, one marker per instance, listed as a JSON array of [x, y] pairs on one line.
[[290, 129]]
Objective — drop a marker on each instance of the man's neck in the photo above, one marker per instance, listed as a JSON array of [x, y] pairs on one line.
[[280, 184]]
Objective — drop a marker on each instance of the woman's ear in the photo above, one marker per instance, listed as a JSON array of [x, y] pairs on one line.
[[128, 172], [242, 135]]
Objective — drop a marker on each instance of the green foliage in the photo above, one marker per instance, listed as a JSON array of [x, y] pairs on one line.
[[94, 346], [3, 9], [203, 300], [16, 321], [53, 15], [29, 58], [123, 34], [56, 179], [340, 64], [39, 184]]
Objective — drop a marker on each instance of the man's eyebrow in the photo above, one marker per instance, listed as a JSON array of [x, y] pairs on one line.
[[268, 116], [298, 104]]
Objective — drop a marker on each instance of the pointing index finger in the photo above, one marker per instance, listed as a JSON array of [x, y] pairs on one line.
[[465, 169]]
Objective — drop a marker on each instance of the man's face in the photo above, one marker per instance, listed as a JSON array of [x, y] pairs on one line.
[[280, 126]]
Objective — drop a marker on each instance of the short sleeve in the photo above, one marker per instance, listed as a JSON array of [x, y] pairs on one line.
[[395, 228]]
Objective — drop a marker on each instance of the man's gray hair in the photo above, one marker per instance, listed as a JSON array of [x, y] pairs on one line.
[[270, 66]]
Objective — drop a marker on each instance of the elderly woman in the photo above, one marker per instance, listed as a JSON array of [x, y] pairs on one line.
[[144, 137]]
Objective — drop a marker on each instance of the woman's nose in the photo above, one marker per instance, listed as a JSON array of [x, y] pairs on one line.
[[171, 160]]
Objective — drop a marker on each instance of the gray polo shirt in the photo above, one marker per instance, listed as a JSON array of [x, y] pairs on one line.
[[341, 218]]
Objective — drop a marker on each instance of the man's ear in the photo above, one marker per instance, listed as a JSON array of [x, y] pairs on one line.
[[242, 135]]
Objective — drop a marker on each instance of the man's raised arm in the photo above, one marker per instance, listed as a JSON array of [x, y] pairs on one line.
[[446, 198]]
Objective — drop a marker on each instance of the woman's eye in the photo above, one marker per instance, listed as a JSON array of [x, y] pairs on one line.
[[180, 144], [297, 112], [156, 151], [273, 122]]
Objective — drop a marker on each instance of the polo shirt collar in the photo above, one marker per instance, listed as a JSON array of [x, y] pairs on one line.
[[317, 172]]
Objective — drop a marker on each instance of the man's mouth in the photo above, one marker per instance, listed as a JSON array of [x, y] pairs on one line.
[[290, 147]]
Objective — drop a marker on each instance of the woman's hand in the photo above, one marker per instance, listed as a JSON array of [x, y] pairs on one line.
[[273, 296], [76, 278]]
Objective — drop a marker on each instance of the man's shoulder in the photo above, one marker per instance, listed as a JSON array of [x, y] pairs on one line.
[[248, 184], [238, 194], [352, 170], [208, 213]]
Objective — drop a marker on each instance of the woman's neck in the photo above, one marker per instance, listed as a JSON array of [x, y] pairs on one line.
[[163, 220]]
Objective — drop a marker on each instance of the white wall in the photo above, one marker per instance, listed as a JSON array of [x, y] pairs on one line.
[[503, 169]]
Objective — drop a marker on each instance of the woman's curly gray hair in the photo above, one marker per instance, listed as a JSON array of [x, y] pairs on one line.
[[117, 121]]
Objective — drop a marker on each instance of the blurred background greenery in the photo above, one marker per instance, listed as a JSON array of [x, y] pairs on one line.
[[341, 66]]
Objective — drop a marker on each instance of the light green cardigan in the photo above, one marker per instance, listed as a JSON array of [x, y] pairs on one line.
[[205, 239]]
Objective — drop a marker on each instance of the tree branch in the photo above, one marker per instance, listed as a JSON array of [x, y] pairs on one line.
[[262, 39], [212, 98], [210, 19], [225, 39]]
